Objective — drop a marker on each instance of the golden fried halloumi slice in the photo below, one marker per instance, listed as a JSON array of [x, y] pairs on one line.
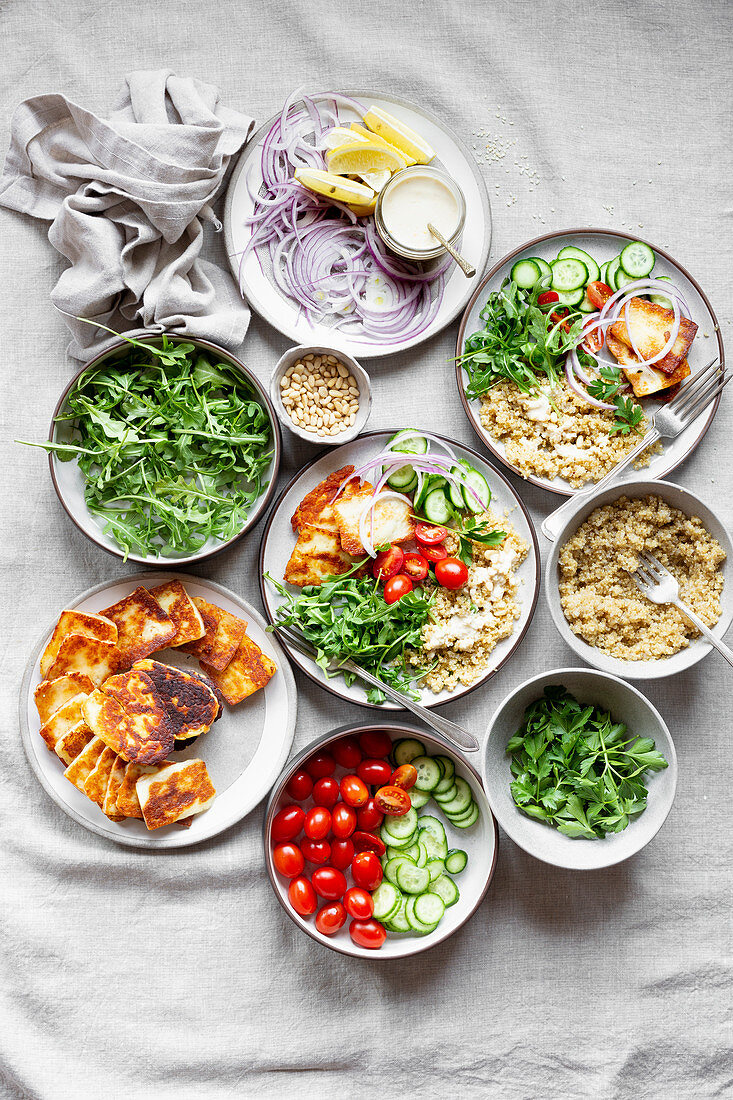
[[142, 626], [248, 671], [77, 622], [116, 775], [178, 605], [191, 704], [316, 555], [137, 729], [62, 720], [52, 694], [315, 507], [391, 522], [87, 656], [127, 801], [95, 784], [81, 766], [223, 634], [644, 380], [348, 510], [69, 746], [651, 326], [175, 792]]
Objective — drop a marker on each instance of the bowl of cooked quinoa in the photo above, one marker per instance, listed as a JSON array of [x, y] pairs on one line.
[[592, 596]]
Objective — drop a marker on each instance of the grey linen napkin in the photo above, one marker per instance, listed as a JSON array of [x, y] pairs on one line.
[[126, 198]]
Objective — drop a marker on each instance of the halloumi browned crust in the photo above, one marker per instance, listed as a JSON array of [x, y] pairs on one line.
[[178, 605], [644, 380], [248, 671], [52, 694], [223, 634], [68, 747], [191, 703], [175, 792], [651, 326], [95, 785], [88, 656], [392, 522], [127, 801], [142, 626], [312, 506], [87, 624], [62, 720], [130, 718], [116, 775], [316, 555], [80, 767]]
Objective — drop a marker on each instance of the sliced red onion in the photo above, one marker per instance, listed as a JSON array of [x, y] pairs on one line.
[[579, 390], [367, 540]]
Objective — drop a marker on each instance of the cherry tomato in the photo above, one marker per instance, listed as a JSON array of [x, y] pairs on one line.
[[404, 777], [428, 534], [343, 821], [434, 553], [451, 573], [388, 563], [358, 903], [374, 744], [326, 792], [342, 853], [317, 823], [367, 933], [287, 823], [330, 883], [366, 871], [354, 791], [599, 293], [369, 816], [300, 786], [416, 566], [288, 859], [302, 897], [374, 772], [346, 752], [548, 297], [390, 800], [316, 851], [396, 588], [367, 842], [321, 764], [331, 918]]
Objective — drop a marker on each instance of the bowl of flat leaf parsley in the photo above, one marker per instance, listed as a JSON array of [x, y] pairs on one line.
[[580, 768], [164, 449]]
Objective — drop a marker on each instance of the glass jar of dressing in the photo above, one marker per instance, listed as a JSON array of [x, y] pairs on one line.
[[412, 198]]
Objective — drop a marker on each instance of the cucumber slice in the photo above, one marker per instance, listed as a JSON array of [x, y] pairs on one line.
[[461, 800], [408, 441], [448, 772], [613, 266], [661, 299], [436, 849], [568, 274], [454, 491], [436, 867], [406, 750], [585, 305], [422, 856], [394, 842], [637, 259], [456, 861], [402, 479], [398, 921], [429, 773], [543, 265], [570, 297], [446, 889], [415, 924], [431, 825], [390, 870], [386, 899], [446, 797], [411, 879], [623, 278], [525, 273], [476, 491], [419, 798], [604, 272], [402, 826], [429, 908], [412, 852], [592, 267], [437, 507], [466, 823], [430, 482]]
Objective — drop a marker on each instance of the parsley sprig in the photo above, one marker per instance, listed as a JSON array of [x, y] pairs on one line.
[[607, 387], [470, 532], [577, 769]]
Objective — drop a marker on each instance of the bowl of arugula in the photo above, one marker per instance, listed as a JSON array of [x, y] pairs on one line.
[[164, 450], [579, 768]]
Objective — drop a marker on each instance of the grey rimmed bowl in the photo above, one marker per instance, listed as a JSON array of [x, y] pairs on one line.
[[544, 842], [698, 648], [69, 481]]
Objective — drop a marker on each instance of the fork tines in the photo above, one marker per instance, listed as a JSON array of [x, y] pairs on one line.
[[697, 388]]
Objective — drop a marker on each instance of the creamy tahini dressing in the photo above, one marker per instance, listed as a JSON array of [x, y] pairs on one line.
[[411, 203]]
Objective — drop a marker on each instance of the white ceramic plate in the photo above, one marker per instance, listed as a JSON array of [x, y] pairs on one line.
[[480, 842], [278, 542], [602, 245], [244, 751], [282, 313]]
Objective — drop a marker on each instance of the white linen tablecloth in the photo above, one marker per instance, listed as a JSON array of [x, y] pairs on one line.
[[133, 975]]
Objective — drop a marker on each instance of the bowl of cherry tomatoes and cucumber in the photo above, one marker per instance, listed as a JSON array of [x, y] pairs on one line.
[[379, 840]]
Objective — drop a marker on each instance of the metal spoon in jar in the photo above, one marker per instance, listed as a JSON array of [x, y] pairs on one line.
[[468, 270]]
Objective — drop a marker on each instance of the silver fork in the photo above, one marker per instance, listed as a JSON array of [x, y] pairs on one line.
[[668, 421], [452, 732], [658, 585]]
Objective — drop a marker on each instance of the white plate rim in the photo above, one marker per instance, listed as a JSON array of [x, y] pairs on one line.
[[358, 350], [480, 431], [181, 839]]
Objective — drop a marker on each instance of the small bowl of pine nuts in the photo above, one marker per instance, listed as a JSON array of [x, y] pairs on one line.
[[321, 395]]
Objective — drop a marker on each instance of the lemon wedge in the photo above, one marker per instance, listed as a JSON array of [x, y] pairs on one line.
[[359, 158], [334, 187], [342, 135], [395, 132], [375, 179], [363, 132], [363, 211]]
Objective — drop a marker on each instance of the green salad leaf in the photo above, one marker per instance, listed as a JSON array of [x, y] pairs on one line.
[[577, 769], [470, 531]]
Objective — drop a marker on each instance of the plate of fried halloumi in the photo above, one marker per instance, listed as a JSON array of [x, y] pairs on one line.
[[157, 710]]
